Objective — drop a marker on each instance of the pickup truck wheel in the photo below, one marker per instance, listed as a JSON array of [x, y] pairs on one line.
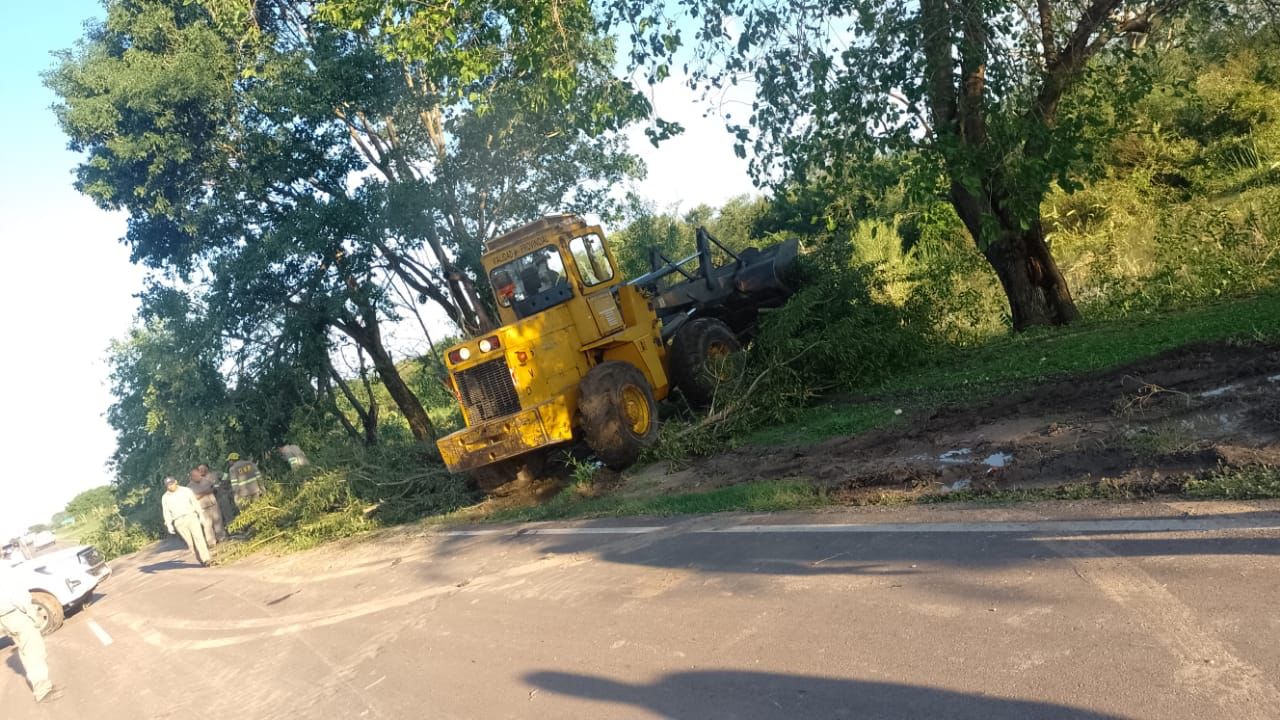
[[618, 413], [698, 359], [48, 612]]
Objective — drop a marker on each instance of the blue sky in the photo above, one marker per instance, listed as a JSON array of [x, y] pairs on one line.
[[68, 283], [69, 287]]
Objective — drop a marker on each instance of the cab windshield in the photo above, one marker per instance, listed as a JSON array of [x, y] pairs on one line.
[[531, 283]]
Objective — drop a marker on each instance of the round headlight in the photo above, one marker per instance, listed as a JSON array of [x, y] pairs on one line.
[[485, 345], [464, 353]]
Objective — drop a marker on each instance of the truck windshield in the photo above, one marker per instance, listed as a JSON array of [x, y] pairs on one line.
[[531, 283]]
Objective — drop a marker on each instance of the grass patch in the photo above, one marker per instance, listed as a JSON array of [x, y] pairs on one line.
[[1251, 483], [1089, 346], [765, 496], [975, 374], [74, 534], [818, 423], [1101, 490], [1247, 483]]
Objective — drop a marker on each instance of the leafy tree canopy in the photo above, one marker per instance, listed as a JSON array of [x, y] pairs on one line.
[[90, 501], [297, 160], [987, 103]]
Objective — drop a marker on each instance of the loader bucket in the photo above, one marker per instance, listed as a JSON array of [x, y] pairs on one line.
[[734, 292]]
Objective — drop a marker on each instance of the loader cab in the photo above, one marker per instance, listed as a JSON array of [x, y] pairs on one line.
[[547, 264], [531, 283]]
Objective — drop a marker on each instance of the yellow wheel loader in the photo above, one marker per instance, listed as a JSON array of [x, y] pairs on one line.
[[585, 355]]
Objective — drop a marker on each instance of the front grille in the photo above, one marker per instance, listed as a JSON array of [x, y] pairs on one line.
[[487, 390]]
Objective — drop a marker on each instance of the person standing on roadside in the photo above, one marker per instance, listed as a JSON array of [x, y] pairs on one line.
[[183, 515], [18, 620], [202, 486], [221, 491]]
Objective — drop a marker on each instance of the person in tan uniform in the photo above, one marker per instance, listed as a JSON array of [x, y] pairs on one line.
[[184, 516], [244, 479], [222, 492], [17, 619], [202, 485]]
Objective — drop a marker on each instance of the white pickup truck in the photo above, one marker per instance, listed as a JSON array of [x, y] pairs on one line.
[[61, 580]]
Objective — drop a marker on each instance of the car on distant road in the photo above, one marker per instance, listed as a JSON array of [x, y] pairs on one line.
[[61, 581]]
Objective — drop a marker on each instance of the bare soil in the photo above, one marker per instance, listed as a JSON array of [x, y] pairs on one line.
[[1186, 412]]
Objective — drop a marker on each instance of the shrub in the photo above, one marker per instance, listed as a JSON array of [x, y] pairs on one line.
[[835, 333], [115, 536], [350, 490]]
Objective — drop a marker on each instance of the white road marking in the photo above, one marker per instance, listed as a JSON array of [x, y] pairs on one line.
[[160, 631], [1047, 526], [593, 530], [1270, 521], [101, 634]]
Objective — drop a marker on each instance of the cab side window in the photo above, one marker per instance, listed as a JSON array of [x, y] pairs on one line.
[[593, 262]]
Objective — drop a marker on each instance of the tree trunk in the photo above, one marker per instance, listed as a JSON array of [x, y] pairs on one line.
[[370, 338], [408, 403], [1037, 292], [330, 405], [1033, 284]]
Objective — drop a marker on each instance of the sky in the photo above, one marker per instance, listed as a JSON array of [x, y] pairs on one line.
[[69, 288]]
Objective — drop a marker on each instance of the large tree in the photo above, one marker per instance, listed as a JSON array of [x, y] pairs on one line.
[[295, 158], [989, 102], [94, 500], [171, 409]]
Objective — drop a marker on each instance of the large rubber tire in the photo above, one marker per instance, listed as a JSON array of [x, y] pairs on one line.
[[504, 476], [618, 413], [49, 615], [690, 357]]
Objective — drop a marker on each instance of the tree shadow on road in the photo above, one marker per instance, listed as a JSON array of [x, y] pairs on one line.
[[893, 557], [894, 553], [745, 695]]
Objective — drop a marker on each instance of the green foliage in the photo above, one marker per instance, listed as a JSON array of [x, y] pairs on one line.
[[1186, 212], [277, 237], [973, 374], [838, 332], [987, 106], [767, 496], [283, 167], [116, 536], [840, 327], [734, 224], [91, 502], [1237, 484], [171, 412], [347, 491], [820, 422]]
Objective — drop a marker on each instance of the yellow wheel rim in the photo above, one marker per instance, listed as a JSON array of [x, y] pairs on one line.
[[636, 406]]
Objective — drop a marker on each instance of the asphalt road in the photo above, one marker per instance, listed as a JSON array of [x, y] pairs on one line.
[[1155, 610]]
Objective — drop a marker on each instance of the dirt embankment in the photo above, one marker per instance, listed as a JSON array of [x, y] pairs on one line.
[[1184, 412]]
